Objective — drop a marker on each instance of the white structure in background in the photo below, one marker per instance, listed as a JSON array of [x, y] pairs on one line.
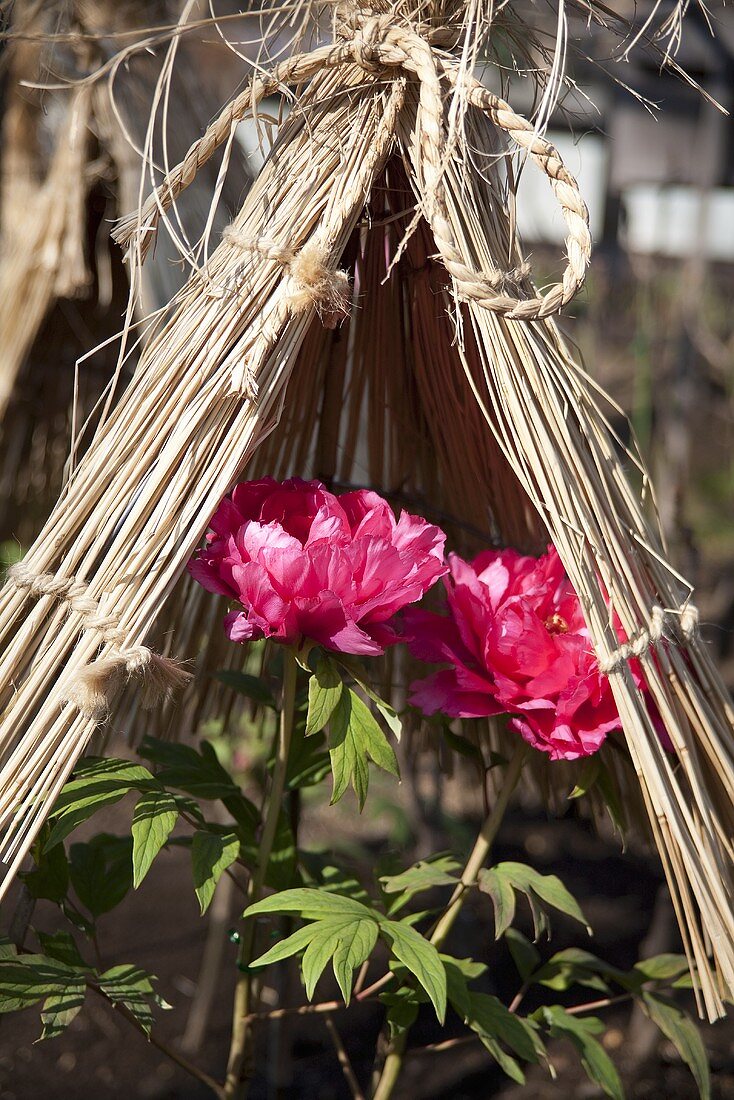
[[680, 221], [538, 215]]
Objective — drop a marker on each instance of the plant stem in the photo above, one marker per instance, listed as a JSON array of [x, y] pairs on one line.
[[235, 1087], [396, 1050], [482, 846], [164, 1048]]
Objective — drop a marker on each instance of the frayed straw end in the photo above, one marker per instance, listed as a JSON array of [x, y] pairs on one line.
[[164, 679], [95, 686], [316, 285], [131, 234]]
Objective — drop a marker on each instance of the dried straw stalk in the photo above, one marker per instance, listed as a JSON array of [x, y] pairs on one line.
[[210, 387]]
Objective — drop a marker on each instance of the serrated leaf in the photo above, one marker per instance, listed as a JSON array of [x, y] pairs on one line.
[[325, 689], [678, 1027], [548, 888], [580, 1031], [211, 855], [101, 872], [310, 904], [246, 684], [421, 958], [502, 894], [130, 986], [59, 1009], [524, 954], [154, 817], [355, 737]]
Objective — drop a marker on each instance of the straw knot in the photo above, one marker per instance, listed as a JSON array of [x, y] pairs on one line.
[[92, 688], [685, 618], [311, 283], [369, 34]]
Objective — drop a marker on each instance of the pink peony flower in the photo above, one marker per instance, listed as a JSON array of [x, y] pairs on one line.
[[305, 564], [515, 643]]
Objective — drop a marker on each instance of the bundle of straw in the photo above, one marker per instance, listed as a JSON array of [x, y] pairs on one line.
[[506, 422], [69, 150]]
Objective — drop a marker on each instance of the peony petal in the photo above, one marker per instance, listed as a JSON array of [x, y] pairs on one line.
[[440, 692]]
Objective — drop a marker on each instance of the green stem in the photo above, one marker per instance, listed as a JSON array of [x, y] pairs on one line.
[[396, 1050], [235, 1087]]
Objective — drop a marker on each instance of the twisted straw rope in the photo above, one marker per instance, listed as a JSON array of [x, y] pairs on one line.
[[686, 618], [92, 689], [377, 43]]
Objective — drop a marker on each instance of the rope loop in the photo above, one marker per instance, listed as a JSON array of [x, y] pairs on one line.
[[382, 44]]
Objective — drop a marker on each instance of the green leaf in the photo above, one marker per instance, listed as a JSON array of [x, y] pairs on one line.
[[61, 946], [346, 940], [132, 987], [576, 967], [325, 689], [310, 904], [402, 1010], [355, 737], [678, 1027], [97, 782], [425, 875], [662, 967], [198, 773], [580, 1031], [462, 745], [321, 949], [421, 958], [308, 763], [422, 876], [390, 716], [495, 1024], [468, 968], [101, 872], [587, 778], [284, 949], [245, 684], [355, 946], [503, 899], [50, 877], [59, 1009], [211, 855], [548, 888], [27, 979], [154, 817], [524, 955]]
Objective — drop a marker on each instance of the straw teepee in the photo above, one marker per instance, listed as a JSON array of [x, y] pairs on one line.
[[389, 167]]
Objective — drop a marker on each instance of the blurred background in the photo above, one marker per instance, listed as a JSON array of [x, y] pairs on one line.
[[653, 148]]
